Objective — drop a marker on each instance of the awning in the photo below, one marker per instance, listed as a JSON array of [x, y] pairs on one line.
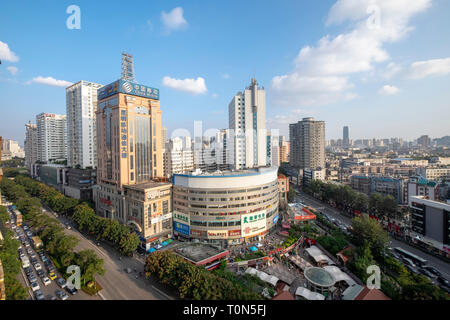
[[165, 243], [254, 249], [151, 250]]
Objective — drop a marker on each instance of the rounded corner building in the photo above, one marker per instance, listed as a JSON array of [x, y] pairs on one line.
[[225, 208]]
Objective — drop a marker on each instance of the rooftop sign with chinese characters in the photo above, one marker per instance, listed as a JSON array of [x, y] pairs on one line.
[[128, 87]]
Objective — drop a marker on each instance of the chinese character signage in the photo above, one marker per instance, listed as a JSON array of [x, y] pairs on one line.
[[216, 234], [253, 224], [127, 87], [181, 217], [124, 134], [181, 228]]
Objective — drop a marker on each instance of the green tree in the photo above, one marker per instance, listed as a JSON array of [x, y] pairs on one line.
[[90, 265], [367, 230]]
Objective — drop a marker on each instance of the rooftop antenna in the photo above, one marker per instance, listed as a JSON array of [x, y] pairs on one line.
[[127, 67]]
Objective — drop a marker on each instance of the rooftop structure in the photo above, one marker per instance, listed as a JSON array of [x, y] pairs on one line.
[[200, 254]]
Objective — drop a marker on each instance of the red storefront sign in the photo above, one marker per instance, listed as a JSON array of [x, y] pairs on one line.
[[233, 233], [197, 233], [106, 201]]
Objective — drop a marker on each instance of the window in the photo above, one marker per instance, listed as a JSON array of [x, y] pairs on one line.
[[165, 206], [132, 176], [131, 163]]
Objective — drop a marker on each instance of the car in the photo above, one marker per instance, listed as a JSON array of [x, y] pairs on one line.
[[427, 273], [37, 266], [61, 282], [25, 228], [44, 258], [50, 297], [32, 277], [52, 276], [33, 260], [33, 255], [22, 255], [40, 273], [13, 226], [38, 294], [433, 270], [29, 234], [46, 281], [61, 295], [408, 262], [443, 281], [71, 290], [50, 268], [27, 270], [34, 286]]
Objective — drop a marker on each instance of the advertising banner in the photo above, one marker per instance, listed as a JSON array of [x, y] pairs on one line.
[[217, 234], [161, 218], [180, 217], [181, 228], [253, 223], [127, 87]]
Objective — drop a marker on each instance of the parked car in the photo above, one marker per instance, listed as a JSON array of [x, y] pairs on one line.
[[71, 290], [38, 294], [33, 260], [27, 270], [433, 270], [61, 295], [61, 282], [411, 269], [427, 273], [443, 281], [52, 276], [44, 258], [46, 281], [40, 273], [50, 297], [37, 266], [35, 286], [32, 277]]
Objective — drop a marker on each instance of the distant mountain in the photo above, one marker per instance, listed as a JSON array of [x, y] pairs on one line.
[[444, 141]]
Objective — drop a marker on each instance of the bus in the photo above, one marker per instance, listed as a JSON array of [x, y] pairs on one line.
[[417, 260]]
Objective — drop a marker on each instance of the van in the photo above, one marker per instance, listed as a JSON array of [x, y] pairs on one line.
[[25, 262]]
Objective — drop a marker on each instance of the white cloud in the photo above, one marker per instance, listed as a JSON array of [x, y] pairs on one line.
[[6, 54], [194, 86], [226, 76], [423, 69], [50, 81], [388, 90], [12, 70], [321, 74], [174, 20]]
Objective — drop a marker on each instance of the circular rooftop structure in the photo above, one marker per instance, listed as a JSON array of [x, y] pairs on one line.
[[319, 277]]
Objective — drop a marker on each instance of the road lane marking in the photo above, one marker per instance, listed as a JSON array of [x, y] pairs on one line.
[[162, 293]]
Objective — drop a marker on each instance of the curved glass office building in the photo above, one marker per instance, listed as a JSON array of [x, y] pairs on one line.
[[225, 208]]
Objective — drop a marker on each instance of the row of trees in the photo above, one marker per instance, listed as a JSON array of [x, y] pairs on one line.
[[350, 200], [57, 244], [193, 282], [120, 235], [11, 265]]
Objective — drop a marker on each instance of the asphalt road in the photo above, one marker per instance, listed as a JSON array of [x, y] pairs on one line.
[[117, 284], [442, 266]]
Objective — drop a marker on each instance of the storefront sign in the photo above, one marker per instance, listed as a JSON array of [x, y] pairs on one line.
[[161, 218], [181, 217], [198, 233], [217, 234], [181, 228], [234, 233], [253, 223], [275, 219]]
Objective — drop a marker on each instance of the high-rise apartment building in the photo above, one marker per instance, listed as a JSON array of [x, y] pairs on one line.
[[129, 144], [30, 145], [51, 137], [247, 117], [307, 138], [178, 159], [346, 137], [284, 150], [81, 106]]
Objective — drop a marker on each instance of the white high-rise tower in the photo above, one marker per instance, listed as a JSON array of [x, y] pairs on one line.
[[247, 117], [51, 137], [81, 105]]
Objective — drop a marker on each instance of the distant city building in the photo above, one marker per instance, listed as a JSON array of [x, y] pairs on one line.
[[51, 137], [30, 145], [346, 137], [247, 118], [12, 149], [228, 208], [81, 106], [128, 67], [313, 174], [307, 138], [382, 185], [284, 150], [424, 141], [418, 186], [179, 159], [434, 173]]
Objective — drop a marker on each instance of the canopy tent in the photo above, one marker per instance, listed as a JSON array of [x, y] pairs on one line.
[[259, 245], [253, 249], [318, 255], [170, 241], [308, 295], [165, 243], [158, 246], [339, 275], [151, 250], [263, 276]]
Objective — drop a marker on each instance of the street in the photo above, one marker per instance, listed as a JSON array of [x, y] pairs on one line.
[[116, 282], [442, 266]]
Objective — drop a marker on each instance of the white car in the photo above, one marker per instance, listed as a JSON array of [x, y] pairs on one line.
[[46, 281], [35, 286], [37, 266]]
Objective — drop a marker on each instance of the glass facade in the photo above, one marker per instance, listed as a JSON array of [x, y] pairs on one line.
[[143, 158]]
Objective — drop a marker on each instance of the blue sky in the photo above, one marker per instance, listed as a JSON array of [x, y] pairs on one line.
[[334, 60]]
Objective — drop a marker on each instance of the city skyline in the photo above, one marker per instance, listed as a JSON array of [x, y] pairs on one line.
[[385, 77]]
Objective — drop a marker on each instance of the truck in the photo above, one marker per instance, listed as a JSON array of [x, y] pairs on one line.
[[18, 218], [37, 242], [25, 262]]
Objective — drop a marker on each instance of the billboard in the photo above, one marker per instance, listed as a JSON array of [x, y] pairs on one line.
[[181, 228], [253, 223], [128, 87], [161, 218], [217, 234], [181, 217]]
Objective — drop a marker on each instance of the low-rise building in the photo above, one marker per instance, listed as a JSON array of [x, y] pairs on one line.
[[283, 185], [418, 186], [434, 173], [313, 174]]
